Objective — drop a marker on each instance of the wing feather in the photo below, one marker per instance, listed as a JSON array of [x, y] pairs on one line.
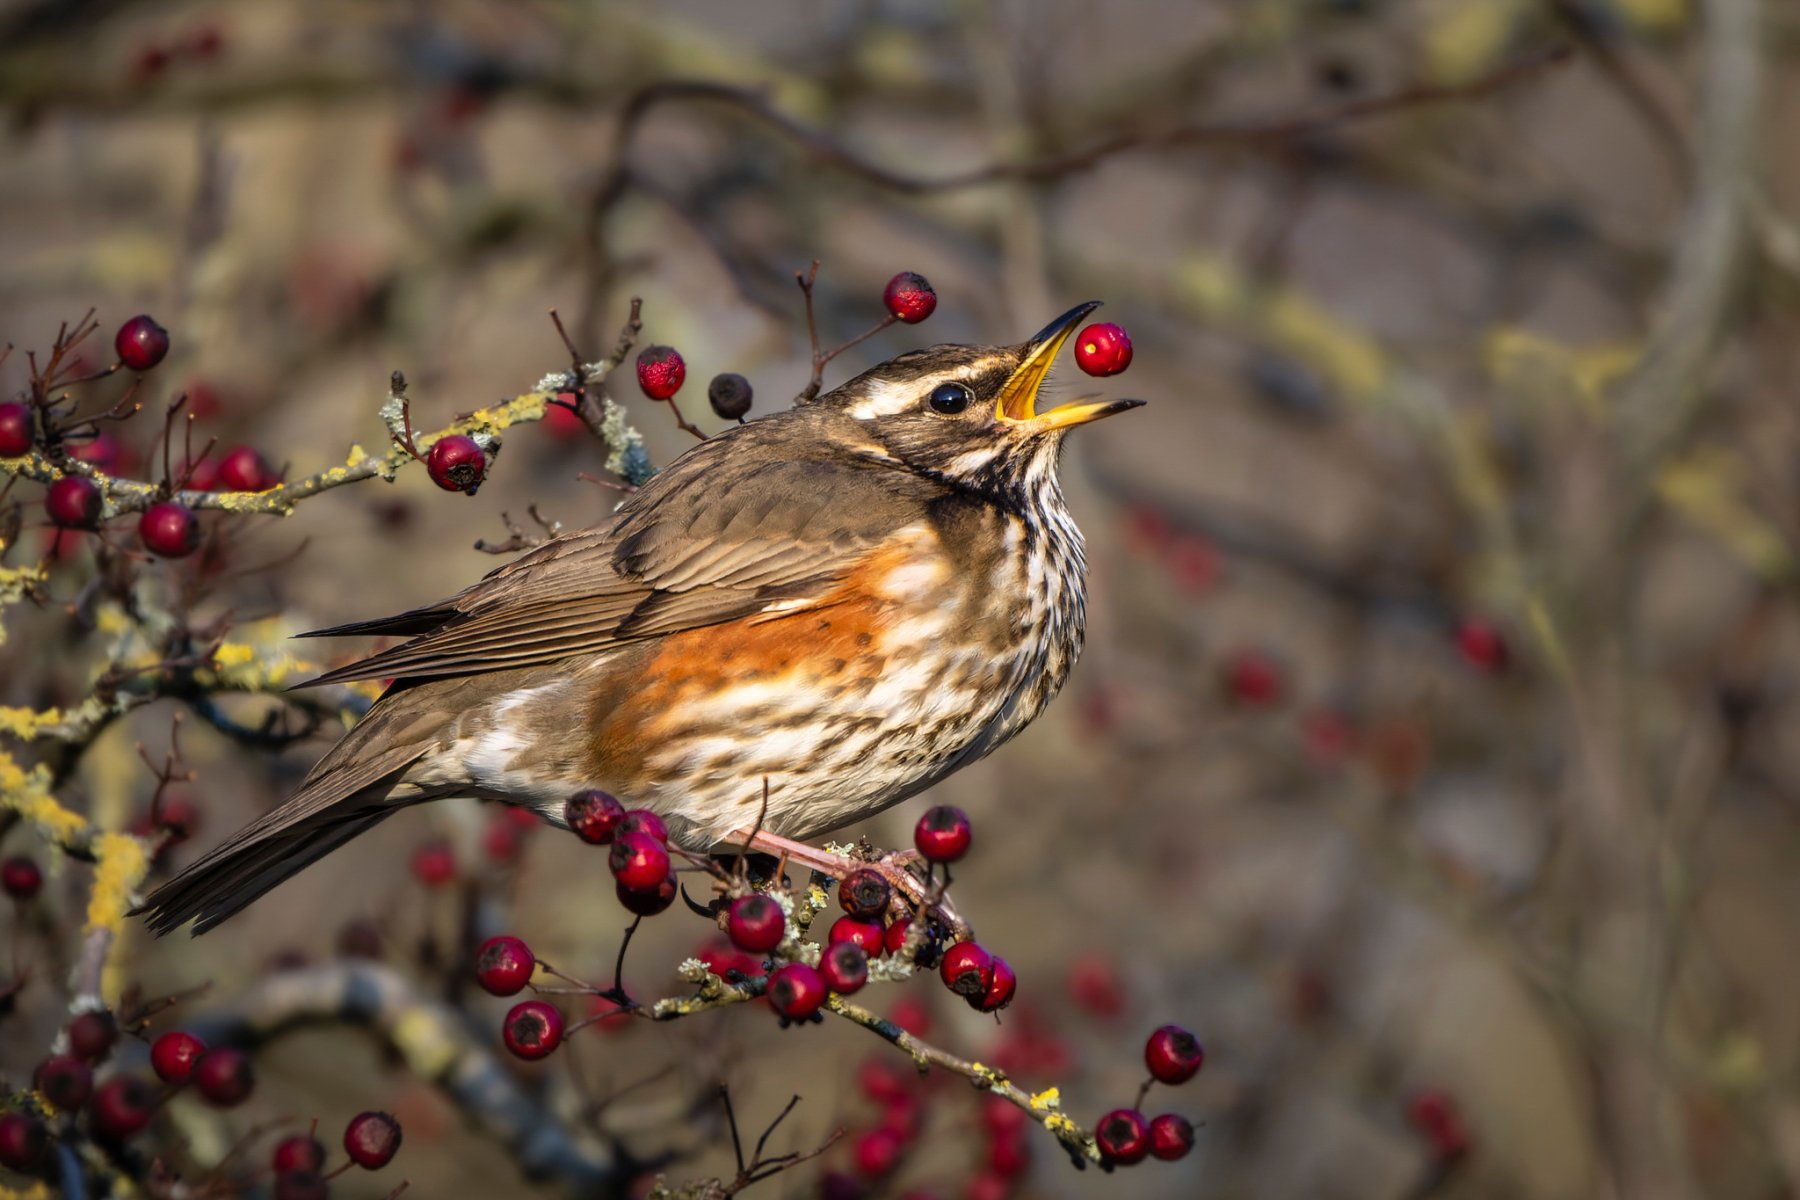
[[709, 540]]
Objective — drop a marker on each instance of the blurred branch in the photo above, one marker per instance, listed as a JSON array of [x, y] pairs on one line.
[[1662, 398], [437, 1046], [830, 150]]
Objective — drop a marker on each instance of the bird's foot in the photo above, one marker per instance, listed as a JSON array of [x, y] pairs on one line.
[[921, 895]]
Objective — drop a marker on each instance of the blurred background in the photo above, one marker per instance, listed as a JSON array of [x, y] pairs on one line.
[[1433, 755]]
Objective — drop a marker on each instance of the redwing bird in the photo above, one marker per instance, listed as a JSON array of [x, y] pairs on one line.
[[843, 602]]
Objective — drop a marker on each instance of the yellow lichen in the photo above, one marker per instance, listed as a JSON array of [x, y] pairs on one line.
[[120, 864], [424, 1042], [1047, 1100], [233, 654], [28, 794]]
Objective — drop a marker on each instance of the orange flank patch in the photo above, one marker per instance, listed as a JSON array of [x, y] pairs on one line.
[[670, 693]]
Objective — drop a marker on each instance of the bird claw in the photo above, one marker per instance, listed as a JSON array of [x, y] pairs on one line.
[[895, 867]]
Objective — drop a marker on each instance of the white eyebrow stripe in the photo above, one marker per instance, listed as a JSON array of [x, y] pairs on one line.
[[885, 398]]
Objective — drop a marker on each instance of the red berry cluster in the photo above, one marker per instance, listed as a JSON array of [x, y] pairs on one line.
[[1125, 1136]]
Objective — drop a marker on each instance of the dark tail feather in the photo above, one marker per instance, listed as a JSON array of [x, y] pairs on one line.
[[240, 871]]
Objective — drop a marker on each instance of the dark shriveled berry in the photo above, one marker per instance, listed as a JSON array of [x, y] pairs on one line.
[[532, 1029], [865, 893], [372, 1139], [594, 816], [223, 1076], [141, 343], [730, 395], [1123, 1136], [660, 371], [456, 464], [755, 923], [909, 297], [1173, 1054], [173, 1055], [73, 502], [1171, 1136], [503, 965], [796, 991], [16, 429], [943, 834], [169, 530]]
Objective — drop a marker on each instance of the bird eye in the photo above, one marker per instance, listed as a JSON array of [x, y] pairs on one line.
[[949, 398]]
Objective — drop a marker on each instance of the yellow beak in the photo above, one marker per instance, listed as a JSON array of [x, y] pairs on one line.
[[1018, 396]]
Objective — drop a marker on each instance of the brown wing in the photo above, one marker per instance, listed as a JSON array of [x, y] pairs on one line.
[[734, 526]]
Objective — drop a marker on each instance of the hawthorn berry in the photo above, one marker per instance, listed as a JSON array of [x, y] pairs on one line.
[[796, 991], [1483, 646], [989, 1185], [730, 395], [661, 371], [169, 530], [909, 297], [122, 1106], [21, 878], [24, 1142], [903, 1116], [434, 863], [1002, 1118], [594, 816], [893, 939], [639, 861], [176, 818], [503, 840], [244, 470], [755, 923], [1435, 1114], [913, 1015], [649, 901], [92, 1035], [372, 1139], [64, 1081], [141, 343], [301, 1185], [1123, 1136], [456, 463], [1000, 989], [174, 1054], [1253, 679], [532, 1029], [967, 970], [1103, 349], [865, 893], [1173, 1054], [642, 820], [302, 1152], [844, 967], [882, 1082], [1171, 1136], [503, 965], [101, 452], [223, 1076], [74, 502], [724, 960], [878, 1153], [943, 834], [868, 935], [16, 429]]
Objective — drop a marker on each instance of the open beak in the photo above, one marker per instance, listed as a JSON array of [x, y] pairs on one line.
[[1018, 396]]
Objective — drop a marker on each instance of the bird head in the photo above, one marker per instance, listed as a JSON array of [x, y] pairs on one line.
[[968, 414]]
